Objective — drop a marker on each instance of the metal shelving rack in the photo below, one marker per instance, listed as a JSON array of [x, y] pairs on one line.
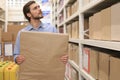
[[85, 10], [3, 14]]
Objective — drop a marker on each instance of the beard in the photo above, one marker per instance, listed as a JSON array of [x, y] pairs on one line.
[[38, 17]]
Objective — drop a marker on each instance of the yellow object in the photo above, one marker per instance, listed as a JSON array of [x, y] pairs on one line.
[[11, 72], [2, 67]]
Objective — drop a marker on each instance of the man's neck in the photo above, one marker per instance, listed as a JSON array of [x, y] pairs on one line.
[[35, 23]]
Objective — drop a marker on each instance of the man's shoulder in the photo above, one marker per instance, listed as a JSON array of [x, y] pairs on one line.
[[45, 25], [26, 28]]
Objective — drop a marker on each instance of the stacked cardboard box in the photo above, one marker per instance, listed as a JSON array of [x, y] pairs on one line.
[[104, 66], [69, 30], [68, 11], [74, 53], [14, 29], [75, 30], [74, 7], [94, 63], [104, 25], [114, 68], [8, 40], [101, 64]]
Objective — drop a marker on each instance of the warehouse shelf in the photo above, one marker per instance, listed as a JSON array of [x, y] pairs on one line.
[[61, 24], [2, 20], [84, 11], [66, 3], [66, 78], [73, 17], [97, 5], [86, 75], [73, 64], [74, 40], [90, 5], [103, 44]]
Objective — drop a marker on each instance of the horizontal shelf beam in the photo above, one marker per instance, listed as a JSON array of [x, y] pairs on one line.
[[74, 40], [103, 44]]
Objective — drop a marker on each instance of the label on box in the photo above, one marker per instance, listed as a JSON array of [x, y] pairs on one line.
[[86, 59], [8, 49]]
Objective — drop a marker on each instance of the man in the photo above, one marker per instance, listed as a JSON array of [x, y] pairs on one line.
[[33, 14]]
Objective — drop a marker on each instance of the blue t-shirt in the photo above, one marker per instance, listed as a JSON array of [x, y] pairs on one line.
[[43, 27]]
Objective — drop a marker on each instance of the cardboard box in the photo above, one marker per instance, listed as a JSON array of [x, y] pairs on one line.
[[96, 26], [114, 68], [43, 52], [15, 28], [94, 62], [75, 30], [68, 11], [70, 51], [105, 24], [75, 54], [104, 66], [115, 22], [7, 37], [91, 27], [69, 30]]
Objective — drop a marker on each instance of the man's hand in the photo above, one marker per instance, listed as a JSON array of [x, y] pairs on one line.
[[64, 59], [20, 59]]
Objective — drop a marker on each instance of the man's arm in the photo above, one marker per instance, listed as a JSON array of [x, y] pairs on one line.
[[17, 57]]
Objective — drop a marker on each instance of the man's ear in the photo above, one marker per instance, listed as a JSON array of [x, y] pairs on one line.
[[28, 14]]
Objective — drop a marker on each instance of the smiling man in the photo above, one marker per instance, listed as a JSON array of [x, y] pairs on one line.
[[33, 14]]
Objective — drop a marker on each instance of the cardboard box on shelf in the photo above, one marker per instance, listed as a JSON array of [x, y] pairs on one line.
[[43, 52], [96, 26], [75, 30], [75, 53], [70, 51], [114, 68], [115, 24], [69, 30], [15, 28], [68, 11], [105, 24], [94, 62], [91, 27], [104, 66], [7, 37]]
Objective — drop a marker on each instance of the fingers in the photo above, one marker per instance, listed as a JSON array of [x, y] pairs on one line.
[[64, 59], [20, 59]]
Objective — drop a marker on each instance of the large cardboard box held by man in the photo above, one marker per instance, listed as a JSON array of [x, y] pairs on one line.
[[42, 52]]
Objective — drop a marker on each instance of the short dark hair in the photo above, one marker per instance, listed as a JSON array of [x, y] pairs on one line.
[[26, 9]]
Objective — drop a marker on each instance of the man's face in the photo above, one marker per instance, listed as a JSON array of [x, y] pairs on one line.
[[35, 11]]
